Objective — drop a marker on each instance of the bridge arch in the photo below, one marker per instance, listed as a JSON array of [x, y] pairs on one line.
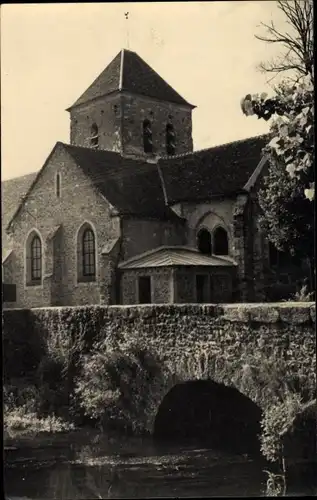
[[215, 414], [204, 374]]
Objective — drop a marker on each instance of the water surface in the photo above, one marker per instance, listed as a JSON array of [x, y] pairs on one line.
[[88, 465]]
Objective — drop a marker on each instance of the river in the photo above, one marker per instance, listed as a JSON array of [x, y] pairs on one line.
[[89, 465]]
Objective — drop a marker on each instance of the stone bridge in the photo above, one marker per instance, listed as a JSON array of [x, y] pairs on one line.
[[261, 350]]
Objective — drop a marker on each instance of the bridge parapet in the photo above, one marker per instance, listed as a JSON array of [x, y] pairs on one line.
[[262, 350]]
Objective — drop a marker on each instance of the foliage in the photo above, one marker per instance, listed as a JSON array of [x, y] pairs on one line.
[[292, 128], [114, 381], [304, 295], [287, 197], [275, 485], [21, 416], [277, 421], [23, 347], [21, 422], [287, 215]]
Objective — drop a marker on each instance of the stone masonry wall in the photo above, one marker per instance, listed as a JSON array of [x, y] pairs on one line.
[[106, 114], [78, 203], [161, 285], [139, 236], [137, 108], [260, 349], [209, 215]]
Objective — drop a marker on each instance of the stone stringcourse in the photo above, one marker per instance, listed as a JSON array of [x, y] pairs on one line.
[[240, 345]]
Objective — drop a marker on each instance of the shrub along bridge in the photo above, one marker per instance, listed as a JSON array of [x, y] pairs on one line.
[[215, 362]]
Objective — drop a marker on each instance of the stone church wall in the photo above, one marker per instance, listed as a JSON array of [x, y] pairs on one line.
[[209, 215], [106, 113], [161, 284], [159, 113], [44, 211], [139, 236]]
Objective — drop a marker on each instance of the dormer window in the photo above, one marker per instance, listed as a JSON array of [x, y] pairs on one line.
[[170, 139], [58, 185], [147, 137], [94, 137]]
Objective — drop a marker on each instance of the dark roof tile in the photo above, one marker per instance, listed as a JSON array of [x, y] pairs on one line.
[[132, 186], [221, 170], [128, 71], [12, 193]]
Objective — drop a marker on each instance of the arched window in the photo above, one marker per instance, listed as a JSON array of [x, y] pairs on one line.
[[147, 137], [36, 259], [58, 185], [204, 242], [170, 139], [221, 246], [86, 251], [94, 137], [89, 253], [33, 259]]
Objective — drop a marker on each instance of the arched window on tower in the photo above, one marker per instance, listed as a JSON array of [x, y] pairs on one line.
[[170, 139], [221, 246], [94, 136], [147, 137], [204, 242]]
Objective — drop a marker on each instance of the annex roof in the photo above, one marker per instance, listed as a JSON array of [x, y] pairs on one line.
[[175, 256], [220, 170], [129, 72]]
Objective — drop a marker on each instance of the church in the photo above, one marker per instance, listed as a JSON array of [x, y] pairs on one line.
[[128, 213]]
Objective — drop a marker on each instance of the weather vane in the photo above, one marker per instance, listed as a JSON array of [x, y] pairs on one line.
[[126, 15]]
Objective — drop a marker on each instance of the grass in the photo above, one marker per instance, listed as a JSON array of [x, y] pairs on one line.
[[20, 422]]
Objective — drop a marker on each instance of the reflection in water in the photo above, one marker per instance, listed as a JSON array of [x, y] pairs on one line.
[[88, 465]]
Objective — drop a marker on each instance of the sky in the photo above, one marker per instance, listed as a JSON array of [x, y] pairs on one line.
[[50, 54]]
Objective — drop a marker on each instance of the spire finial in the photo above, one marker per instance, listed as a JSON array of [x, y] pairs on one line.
[[126, 15]]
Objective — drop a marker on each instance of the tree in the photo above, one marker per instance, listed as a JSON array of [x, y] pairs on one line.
[[287, 197], [298, 47], [292, 128]]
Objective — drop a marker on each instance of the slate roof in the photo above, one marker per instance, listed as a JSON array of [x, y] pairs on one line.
[[12, 192], [221, 170], [132, 186], [129, 72], [147, 189], [166, 256]]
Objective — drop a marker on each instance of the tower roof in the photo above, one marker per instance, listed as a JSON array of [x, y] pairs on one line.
[[129, 72]]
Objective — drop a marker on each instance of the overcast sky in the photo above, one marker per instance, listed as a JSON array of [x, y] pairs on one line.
[[50, 53]]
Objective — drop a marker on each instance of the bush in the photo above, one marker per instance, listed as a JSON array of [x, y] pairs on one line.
[[23, 346], [55, 384], [15, 396], [114, 383], [303, 295]]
